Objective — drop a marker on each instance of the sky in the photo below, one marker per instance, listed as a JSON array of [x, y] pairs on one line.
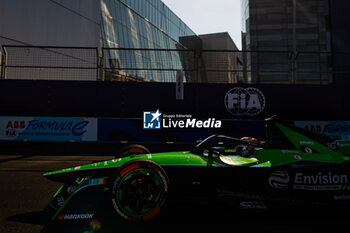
[[210, 16]]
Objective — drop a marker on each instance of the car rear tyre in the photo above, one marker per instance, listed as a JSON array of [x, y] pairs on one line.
[[134, 149], [139, 190]]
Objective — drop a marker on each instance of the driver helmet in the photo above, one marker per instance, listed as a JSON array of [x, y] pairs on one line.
[[249, 149], [250, 140]]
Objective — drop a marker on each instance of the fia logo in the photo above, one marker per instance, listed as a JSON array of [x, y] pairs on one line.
[[245, 101], [152, 120]]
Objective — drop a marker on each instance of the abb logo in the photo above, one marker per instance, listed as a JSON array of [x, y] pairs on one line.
[[16, 125], [316, 128]]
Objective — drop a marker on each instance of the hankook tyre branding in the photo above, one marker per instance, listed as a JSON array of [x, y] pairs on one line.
[[279, 179], [309, 181], [245, 101], [75, 216]]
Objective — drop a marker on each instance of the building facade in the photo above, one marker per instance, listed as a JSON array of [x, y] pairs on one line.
[[131, 36], [50, 23], [340, 36], [221, 59], [217, 59], [286, 41], [152, 30]]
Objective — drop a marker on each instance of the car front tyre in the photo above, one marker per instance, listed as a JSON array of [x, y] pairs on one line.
[[139, 189]]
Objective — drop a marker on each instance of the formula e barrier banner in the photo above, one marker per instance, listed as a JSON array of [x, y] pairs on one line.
[[48, 129], [338, 129]]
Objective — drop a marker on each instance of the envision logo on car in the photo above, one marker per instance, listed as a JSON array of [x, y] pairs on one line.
[[321, 178], [311, 181], [279, 179]]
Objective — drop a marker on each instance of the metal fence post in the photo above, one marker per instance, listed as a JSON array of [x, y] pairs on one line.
[[198, 65], [294, 64], [101, 64], [1, 64], [97, 65]]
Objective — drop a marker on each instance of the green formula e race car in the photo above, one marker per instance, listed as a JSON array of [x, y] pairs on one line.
[[293, 166]]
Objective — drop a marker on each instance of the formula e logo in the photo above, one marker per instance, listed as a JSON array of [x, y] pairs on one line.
[[245, 101], [279, 179], [152, 120]]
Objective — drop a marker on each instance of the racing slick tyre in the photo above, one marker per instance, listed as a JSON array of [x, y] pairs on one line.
[[139, 189], [132, 150]]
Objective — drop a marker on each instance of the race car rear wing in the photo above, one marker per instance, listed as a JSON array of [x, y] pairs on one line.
[[276, 138]]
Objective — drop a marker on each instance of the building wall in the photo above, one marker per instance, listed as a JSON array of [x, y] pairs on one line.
[[218, 41], [63, 23], [340, 34], [103, 24], [156, 12], [125, 100], [142, 25], [217, 58], [225, 62], [268, 26], [126, 23], [50, 22]]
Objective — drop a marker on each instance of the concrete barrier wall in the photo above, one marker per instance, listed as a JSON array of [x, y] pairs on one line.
[[130, 100]]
